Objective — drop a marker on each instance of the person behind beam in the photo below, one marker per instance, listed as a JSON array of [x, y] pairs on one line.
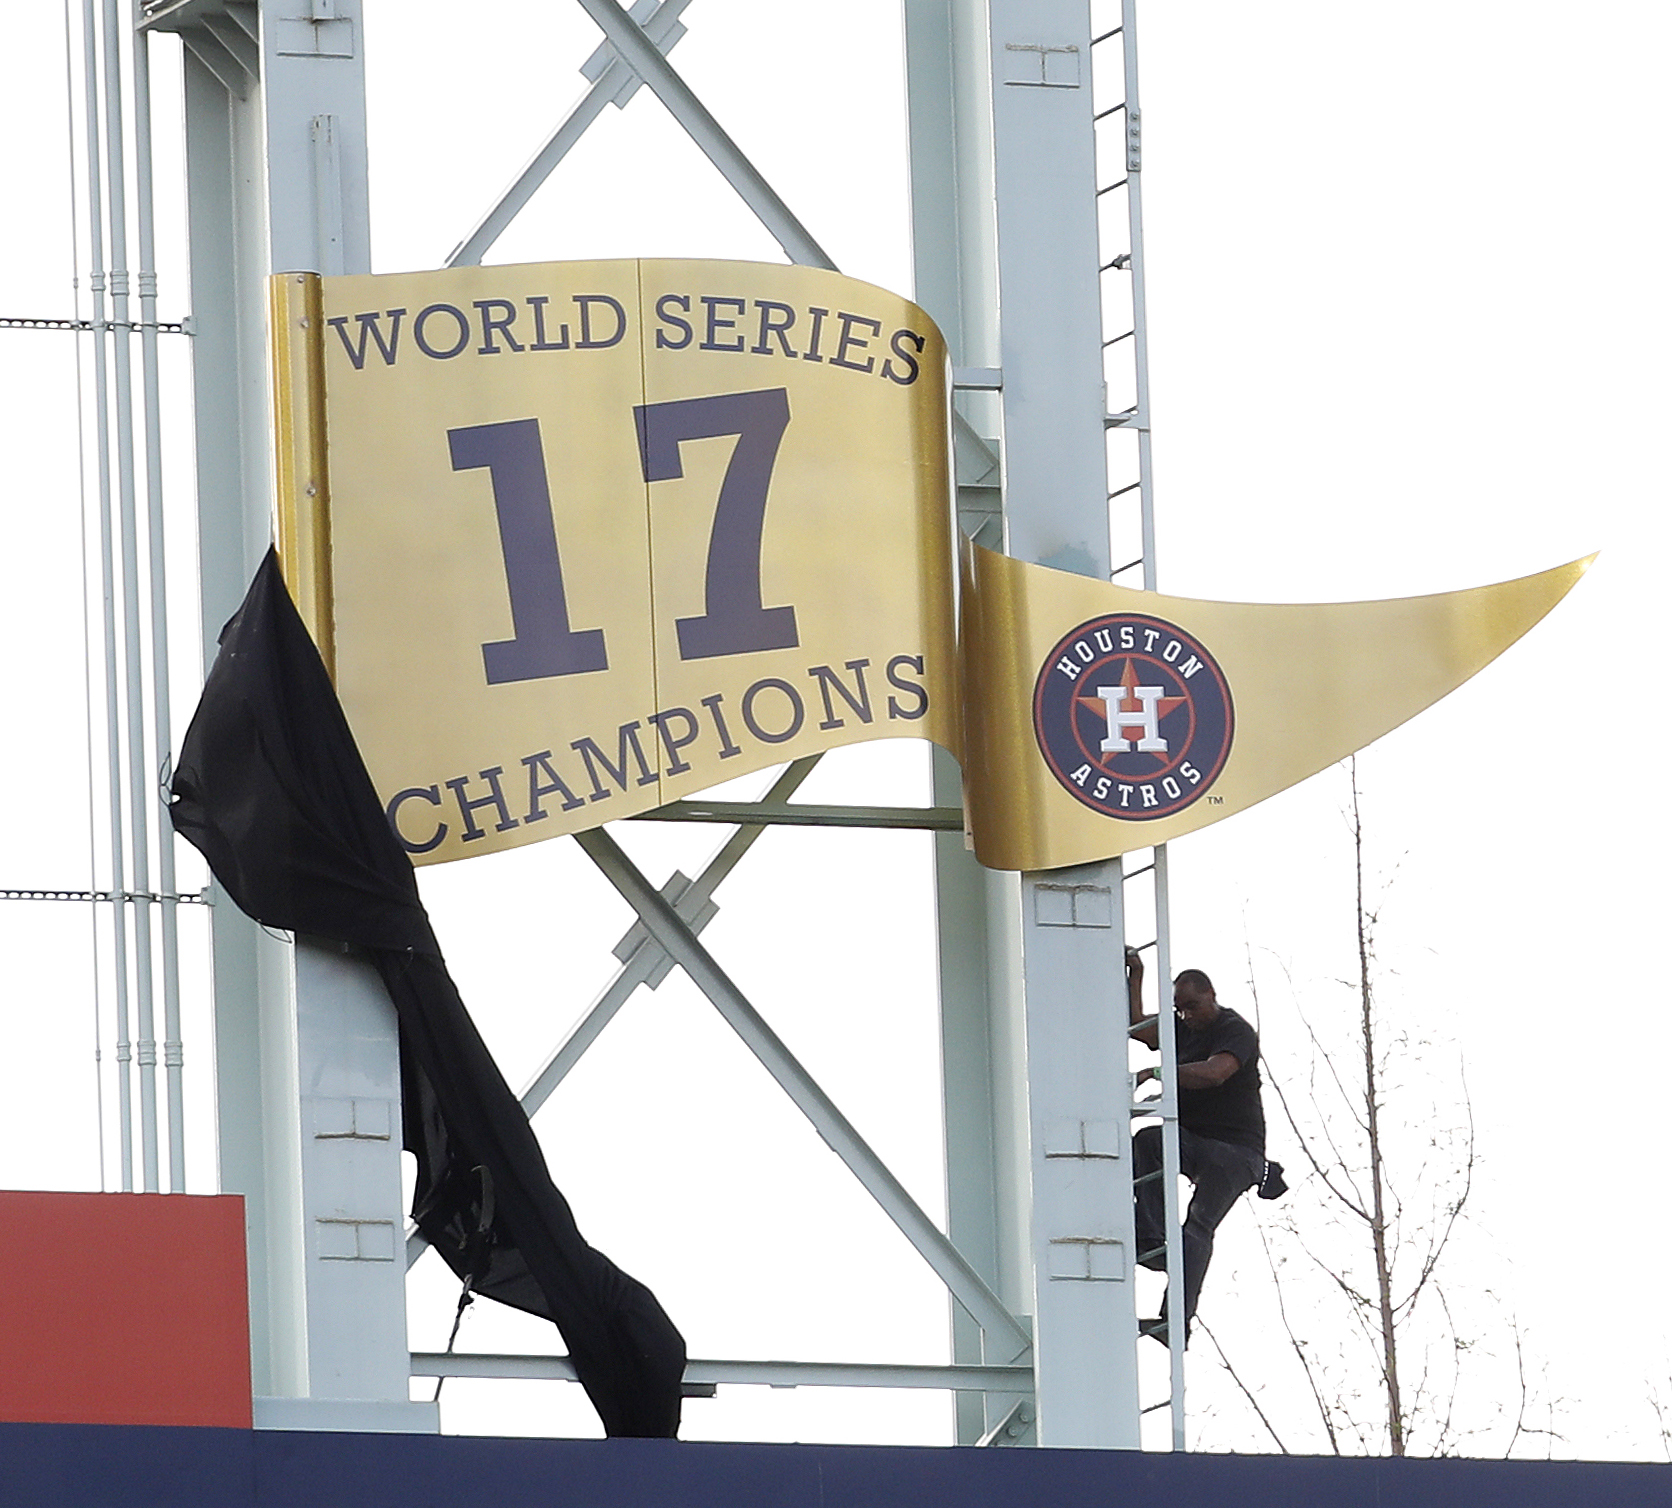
[[1222, 1127]]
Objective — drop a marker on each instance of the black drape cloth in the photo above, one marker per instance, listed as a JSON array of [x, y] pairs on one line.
[[271, 788]]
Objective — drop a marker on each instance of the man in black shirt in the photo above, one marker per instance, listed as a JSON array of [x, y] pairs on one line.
[[1222, 1128]]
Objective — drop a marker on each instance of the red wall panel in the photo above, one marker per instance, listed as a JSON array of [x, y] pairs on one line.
[[123, 1309]]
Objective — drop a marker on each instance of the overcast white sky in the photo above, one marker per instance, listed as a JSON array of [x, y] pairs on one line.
[[1408, 328]]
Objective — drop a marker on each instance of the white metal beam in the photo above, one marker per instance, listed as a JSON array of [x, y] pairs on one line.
[[1004, 195], [772, 1374], [1055, 509], [808, 814]]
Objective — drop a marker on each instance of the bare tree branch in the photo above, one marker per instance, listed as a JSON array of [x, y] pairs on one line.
[[1521, 1407], [1372, 1115], [1298, 1346], [1370, 1236], [1385, 1191], [1661, 1410], [1253, 1402], [1453, 1210], [1306, 1149]]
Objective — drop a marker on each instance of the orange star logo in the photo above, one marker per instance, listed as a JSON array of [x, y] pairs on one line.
[[1128, 702]]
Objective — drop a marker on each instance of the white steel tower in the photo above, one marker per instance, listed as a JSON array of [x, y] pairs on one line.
[[1025, 143]]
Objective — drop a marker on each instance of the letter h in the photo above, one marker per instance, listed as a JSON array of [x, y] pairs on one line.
[[1145, 718]]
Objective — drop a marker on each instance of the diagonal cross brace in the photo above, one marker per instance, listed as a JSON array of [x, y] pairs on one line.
[[643, 964], [1004, 1332], [638, 55], [644, 59], [694, 911], [613, 82], [659, 21]]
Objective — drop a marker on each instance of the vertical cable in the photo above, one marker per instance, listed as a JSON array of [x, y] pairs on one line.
[[139, 784], [173, 1057], [113, 722], [86, 598]]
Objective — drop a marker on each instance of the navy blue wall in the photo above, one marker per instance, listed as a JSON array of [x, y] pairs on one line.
[[92, 1466]]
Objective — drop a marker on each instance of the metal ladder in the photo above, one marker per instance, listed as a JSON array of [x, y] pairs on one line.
[[1119, 124]]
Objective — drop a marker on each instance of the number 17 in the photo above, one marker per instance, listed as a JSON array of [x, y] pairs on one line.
[[734, 620]]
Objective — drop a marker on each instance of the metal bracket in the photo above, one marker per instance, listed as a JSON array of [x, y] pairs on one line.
[[319, 35], [1087, 1140], [696, 916], [349, 1240], [223, 35], [659, 20], [1038, 66], [1073, 906], [1086, 1259], [1014, 1428]]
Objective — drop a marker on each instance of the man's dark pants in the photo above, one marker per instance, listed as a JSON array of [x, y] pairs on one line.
[[1220, 1172]]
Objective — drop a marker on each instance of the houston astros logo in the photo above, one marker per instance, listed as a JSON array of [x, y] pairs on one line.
[[1133, 716]]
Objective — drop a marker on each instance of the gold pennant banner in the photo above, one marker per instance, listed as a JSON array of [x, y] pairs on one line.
[[1112, 719], [578, 539]]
